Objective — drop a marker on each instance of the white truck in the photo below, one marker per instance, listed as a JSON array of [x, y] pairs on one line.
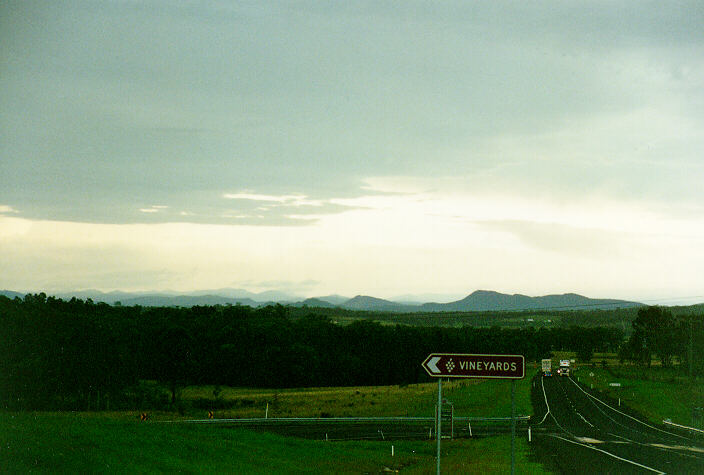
[[547, 367], [564, 369]]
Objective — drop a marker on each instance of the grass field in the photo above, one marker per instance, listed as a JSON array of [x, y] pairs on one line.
[[490, 398], [96, 442], [118, 442]]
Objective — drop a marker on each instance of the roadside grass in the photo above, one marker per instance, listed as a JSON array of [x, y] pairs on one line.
[[471, 397], [76, 442], [97, 442], [656, 392], [478, 456]]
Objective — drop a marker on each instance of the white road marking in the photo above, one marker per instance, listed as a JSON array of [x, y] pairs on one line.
[[610, 454], [546, 401], [679, 447], [580, 415], [662, 447], [683, 427], [624, 414], [552, 415], [589, 440], [624, 438]]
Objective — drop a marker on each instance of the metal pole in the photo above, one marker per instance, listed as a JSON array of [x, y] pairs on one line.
[[438, 433], [513, 427]]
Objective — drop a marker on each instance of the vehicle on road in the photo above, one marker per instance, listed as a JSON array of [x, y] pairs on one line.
[[564, 369], [547, 367]]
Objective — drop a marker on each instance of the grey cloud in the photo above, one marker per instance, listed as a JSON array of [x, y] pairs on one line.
[[107, 108]]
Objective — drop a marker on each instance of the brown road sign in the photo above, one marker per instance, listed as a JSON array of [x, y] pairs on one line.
[[459, 365]]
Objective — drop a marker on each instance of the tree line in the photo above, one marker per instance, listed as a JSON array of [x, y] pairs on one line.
[[588, 317], [659, 334], [82, 355]]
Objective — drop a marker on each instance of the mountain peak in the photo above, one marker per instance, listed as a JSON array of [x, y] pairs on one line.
[[365, 302], [480, 293]]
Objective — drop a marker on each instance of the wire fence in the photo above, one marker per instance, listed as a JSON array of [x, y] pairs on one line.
[[371, 428]]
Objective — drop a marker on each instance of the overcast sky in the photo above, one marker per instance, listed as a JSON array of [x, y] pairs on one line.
[[380, 148]]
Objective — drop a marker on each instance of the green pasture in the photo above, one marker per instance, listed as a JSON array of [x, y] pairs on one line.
[[471, 397], [97, 442], [118, 441]]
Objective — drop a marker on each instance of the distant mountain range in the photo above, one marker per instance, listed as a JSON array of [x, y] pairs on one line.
[[483, 300], [174, 299], [479, 301], [10, 294]]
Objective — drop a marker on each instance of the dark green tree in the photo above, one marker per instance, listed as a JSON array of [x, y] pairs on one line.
[[174, 356], [584, 348], [655, 333]]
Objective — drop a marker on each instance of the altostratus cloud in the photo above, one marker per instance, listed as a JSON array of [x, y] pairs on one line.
[[286, 200]]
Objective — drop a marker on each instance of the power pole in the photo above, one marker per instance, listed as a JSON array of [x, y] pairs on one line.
[[691, 348]]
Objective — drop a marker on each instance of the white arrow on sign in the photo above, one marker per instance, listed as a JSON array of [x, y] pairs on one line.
[[432, 364]]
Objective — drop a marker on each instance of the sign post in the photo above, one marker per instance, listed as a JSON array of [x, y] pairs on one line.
[[617, 385], [513, 427], [462, 365], [438, 415]]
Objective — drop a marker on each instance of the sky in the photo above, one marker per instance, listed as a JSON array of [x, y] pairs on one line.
[[379, 148]]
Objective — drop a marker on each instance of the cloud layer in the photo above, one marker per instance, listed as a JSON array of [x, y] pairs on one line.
[[555, 128]]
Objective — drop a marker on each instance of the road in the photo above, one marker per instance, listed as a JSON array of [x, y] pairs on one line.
[[581, 432]]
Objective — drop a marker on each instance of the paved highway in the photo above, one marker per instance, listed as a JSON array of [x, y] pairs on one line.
[[581, 432]]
